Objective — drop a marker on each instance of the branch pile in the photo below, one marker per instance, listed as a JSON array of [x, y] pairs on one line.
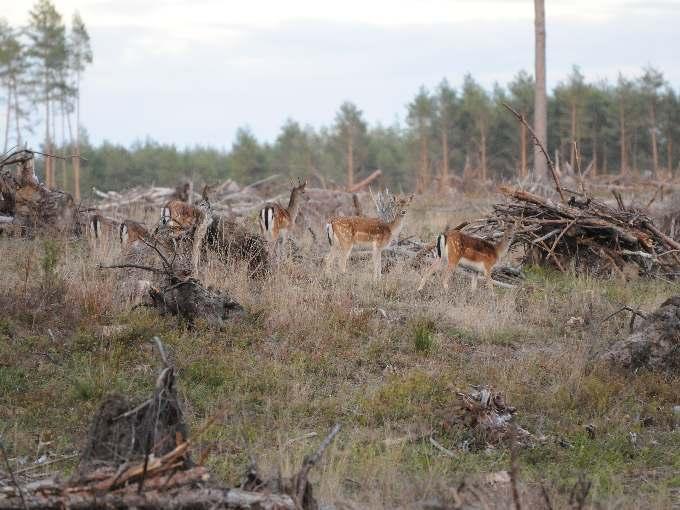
[[484, 412], [138, 456], [590, 235]]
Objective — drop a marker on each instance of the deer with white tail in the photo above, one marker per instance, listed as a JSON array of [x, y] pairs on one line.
[[277, 221], [454, 247], [344, 232]]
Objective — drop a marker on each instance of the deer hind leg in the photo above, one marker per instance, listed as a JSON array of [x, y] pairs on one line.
[[487, 275], [377, 262], [437, 264], [448, 271], [344, 257]]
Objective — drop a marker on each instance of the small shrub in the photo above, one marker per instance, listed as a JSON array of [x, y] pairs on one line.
[[49, 261], [423, 335]]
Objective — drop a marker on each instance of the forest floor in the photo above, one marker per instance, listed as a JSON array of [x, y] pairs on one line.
[[385, 361]]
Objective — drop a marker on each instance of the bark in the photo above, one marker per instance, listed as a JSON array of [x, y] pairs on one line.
[[669, 153], [76, 159], [7, 118], [522, 151], [445, 159], [423, 162], [655, 150], [655, 344], [350, 159], [622, 138], [540, 97], [572, 159], [16, 114], [482, 150]]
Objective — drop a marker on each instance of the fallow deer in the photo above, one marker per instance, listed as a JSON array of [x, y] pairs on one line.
[[101, 226], [344, 232], [131, 231], [277, 221], [178, 214], [454, 247]]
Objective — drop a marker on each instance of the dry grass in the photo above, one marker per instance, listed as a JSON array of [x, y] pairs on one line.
[[314, 349]]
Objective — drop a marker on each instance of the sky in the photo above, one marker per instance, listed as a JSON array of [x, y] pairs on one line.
[[191, 72]]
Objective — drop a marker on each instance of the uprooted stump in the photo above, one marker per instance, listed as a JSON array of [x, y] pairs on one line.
[[232, 241], [191, 300], [29, 203], [485, 414], [138, 456], [655, 344]]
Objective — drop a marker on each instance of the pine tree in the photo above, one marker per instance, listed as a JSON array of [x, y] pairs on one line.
[[12, 75], [420, 118], [48, 56], [80, 54], [447, 106], [349, 132]]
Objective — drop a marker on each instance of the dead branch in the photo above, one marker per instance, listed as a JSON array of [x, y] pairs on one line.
[[556, 178]]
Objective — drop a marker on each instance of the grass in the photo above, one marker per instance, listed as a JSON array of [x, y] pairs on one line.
[[314, 349]]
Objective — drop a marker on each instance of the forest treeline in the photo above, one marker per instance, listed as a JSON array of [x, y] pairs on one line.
[[630, 126]]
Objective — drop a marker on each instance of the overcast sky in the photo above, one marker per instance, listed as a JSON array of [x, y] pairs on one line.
[[193, 71]]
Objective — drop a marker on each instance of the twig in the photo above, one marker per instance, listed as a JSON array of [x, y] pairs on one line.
[[11, 474], [132, 266], [161, 351], [133, 411], [556, 178], [514, 468], [310, 461], [441, 448]]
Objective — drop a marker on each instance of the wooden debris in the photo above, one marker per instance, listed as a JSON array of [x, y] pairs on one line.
[[586, 234]]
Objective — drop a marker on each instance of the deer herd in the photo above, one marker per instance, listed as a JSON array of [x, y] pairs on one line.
[[343, 233]]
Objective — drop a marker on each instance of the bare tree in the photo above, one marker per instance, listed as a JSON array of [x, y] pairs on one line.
[[541, 96]]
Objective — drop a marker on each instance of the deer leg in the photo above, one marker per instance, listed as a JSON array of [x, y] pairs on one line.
[[487, 275], [284, 237], [377, 262], [448, 271], [437, 264], [344, 257]]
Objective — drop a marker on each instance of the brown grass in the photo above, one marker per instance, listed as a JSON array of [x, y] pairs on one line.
[[313, 350]]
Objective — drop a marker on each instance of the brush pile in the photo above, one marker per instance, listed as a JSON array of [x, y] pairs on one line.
[[585, 234], [138, 456]]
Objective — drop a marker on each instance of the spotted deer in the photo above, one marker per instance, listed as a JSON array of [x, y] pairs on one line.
[[277, 221], [344, 232], [130, 231], [454, 247], [178, 214]]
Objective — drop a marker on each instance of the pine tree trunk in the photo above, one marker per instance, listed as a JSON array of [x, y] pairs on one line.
[[9, 112], [540, 96], [622, 138], [445, 159], [76, 159], [64, 173], [16, 113], [669, 153], [483, 153], [605, 158], [572, 157], [423, 162], [522, 151], [655, 151], [350, 161]]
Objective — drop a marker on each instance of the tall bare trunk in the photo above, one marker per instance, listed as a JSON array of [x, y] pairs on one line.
[[482, 149], [572, 158], [445, 159], [655, 151], [16, 113], [423, 162], [540, 96], [64, 173], [605, 158], [669, 154], [9, 112], [622, 138], [350, 160], [48, 165], [522, 151], [76, 158]]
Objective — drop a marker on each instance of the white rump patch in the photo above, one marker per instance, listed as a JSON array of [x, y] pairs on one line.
[[165, 215]]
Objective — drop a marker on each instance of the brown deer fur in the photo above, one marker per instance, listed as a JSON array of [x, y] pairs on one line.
[[454, 247], [178, 214], [346, 231], [131, 231], [277, 221]]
